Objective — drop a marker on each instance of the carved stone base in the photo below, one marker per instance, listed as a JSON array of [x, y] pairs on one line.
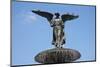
[[57, 55]]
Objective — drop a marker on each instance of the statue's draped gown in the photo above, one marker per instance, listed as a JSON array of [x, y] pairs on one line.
[[58, 32]]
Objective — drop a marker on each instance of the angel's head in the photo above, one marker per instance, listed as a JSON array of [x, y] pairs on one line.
[[57, 15]]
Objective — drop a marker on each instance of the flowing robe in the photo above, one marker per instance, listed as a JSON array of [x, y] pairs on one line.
[[58, 32]]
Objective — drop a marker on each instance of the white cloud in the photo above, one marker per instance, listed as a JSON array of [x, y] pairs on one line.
[[28, 18]]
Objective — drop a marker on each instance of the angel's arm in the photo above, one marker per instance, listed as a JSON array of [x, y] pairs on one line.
[[52, 23]]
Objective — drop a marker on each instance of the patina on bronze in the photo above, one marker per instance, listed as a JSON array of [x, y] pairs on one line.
[[59, 54]]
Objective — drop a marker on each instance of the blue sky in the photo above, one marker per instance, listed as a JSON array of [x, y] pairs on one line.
[[32, 34]]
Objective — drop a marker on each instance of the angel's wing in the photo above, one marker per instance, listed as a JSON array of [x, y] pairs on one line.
[[66, 17], [47, 15]]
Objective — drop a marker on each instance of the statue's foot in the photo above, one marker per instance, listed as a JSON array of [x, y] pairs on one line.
[[56, 45], [64, 41], [61, 46]]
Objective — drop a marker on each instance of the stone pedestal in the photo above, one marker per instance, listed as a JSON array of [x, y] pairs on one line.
[[57, 55]]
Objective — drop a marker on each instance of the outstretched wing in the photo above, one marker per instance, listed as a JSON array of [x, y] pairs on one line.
[[66, 17], [47, 15]]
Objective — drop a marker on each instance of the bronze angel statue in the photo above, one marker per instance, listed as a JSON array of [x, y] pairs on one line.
[[57, 22]]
